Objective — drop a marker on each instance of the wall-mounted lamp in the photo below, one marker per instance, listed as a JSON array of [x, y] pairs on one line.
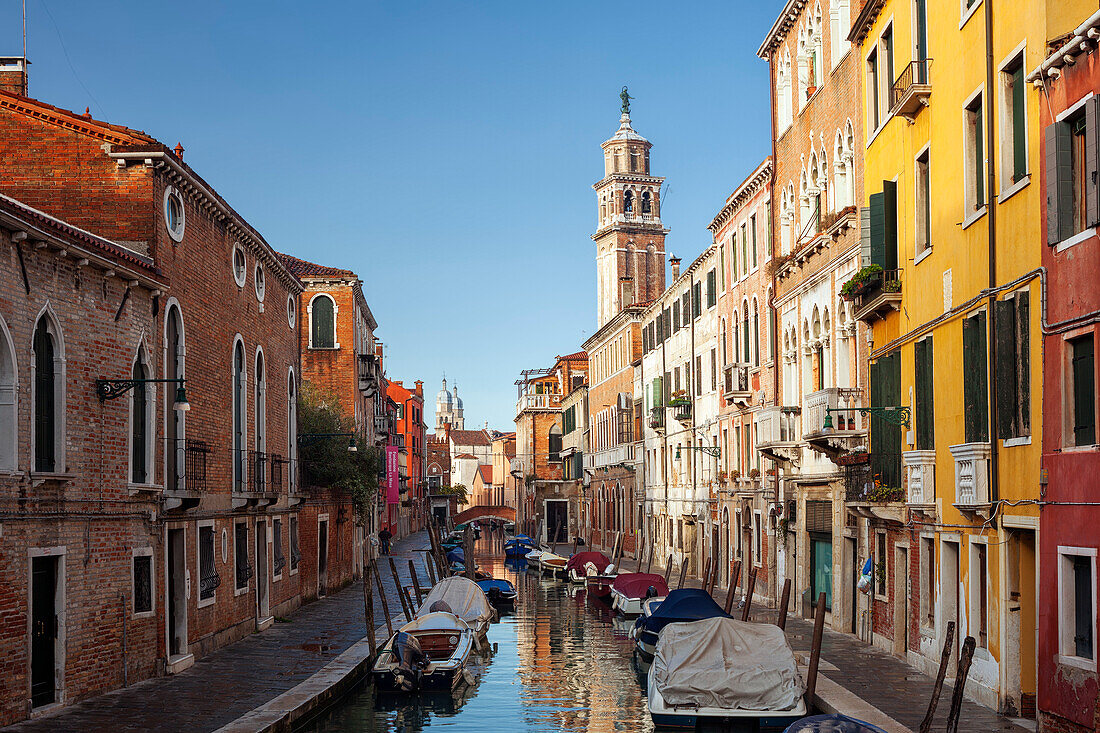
[[109, 389]]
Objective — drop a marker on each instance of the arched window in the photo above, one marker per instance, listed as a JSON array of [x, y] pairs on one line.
[[554, 443], [176, 448], [49, 392], [322, 322], [141, 417], [745, 327], [8, 408], [645, 202], [261, 403], [239, 376], [756, 331], [736, 339], [292, 430], [771, 325], [628, 202]]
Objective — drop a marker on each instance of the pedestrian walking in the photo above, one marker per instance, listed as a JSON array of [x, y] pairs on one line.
[[384, 539]]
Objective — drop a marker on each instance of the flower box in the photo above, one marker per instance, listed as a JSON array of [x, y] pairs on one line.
[[853, 459]]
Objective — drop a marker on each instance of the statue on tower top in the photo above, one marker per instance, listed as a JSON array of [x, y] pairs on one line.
[[623, 95]]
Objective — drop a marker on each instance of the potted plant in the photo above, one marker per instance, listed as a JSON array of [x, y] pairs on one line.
[[679, 399], [861, 281], [723, 477], [754, 473], [856, 456], [736, 474]]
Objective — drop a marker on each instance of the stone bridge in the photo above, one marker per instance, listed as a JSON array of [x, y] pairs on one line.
[[507, 513]]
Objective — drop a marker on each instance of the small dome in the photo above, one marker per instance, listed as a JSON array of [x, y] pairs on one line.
[[444, 397], [458, 400], [626, 132]]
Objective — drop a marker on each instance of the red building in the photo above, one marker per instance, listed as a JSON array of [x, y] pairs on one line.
[[1069, 540], [410, 430]]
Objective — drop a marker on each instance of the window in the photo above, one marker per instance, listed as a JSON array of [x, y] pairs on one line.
[[928, 581], [922, 224], [880, 564], [924, 397], [874, 92], [239, 379], [240, 557], [752, 228], [676, 315], [698, 375], [839, 24], [974, 154], [292, 430], [979, 592], [883, 227], [295, 551], [1077, 606], [208, 572], [1011, 341], [1071, 147], [756, 331], [1013, 120], [258, 277], [686, 309], [8, 392], [1082, 390], [756, 539], [697, 300], [143, 581], [141, 418], [322, 322], [628, 202], [975, 399], [553, 440], [240, 265], [733, 256], [713, 369], [712, 288], [291, 311], [278, 559], [48, 396], [746, 355], [174, 216], [260, 417]]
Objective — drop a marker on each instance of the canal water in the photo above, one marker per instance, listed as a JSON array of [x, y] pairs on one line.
[[559, 664]]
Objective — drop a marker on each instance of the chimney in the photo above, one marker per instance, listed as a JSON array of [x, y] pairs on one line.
[[675, 262], [13, 75]]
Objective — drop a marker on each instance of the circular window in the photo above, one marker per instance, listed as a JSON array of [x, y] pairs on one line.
[[240, 272], [174, 218], [258, 276], [291, 310]]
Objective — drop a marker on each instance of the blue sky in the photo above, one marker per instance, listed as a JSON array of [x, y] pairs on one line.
[[445, 151]]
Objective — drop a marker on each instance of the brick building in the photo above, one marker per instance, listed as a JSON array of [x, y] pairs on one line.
[[229, 546], [410, 427], [504, 480]]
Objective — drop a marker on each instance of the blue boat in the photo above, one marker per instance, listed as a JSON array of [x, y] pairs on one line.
[[456, 556], [518, 547], [682, 605], [501, 593], [832, 724]]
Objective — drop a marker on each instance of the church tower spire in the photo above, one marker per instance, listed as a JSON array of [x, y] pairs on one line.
[[630, 238]]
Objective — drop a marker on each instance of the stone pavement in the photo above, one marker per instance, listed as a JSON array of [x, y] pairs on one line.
[[885, 681], [237, 678]]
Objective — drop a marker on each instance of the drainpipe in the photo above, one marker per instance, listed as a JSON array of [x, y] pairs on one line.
[[991, 223], [694, 412]]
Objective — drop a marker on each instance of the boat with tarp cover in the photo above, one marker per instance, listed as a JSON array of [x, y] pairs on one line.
[[465, 599], [428, 653], [628, 590], [679, 606], [584, 565]]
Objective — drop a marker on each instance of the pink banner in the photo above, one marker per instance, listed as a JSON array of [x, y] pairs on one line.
[[393, 492]]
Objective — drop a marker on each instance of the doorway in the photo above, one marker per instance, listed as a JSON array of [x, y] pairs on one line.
[[263, 602], [45, 630], [322, 558], [177, 593], [949, 591], [851, 593], [557, 521], [821, 568], [901, 602]]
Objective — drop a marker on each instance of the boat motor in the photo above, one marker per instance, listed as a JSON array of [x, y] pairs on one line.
[[410, 661], [650, 592]]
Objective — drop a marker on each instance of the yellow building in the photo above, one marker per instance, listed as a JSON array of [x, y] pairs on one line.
[[953, 220]]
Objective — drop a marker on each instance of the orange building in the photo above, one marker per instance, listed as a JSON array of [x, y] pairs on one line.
[[409, 434]]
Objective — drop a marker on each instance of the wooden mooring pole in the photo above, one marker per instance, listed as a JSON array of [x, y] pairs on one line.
[[731, 592], [382, 597], [785, 601], [960, 684], [815, 649], [748, 595], [416, 583], [683, 575], [400, 595], [706, 575], [368, 605], [926, 724], [668, 569]]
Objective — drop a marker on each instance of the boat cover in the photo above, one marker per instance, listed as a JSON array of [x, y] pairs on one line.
[[500, 584], [436, 621], [727, 664], [466, 599], [581, 559], [522, 538], [684, 604], [635, 585], [457, 555], [834, 723]]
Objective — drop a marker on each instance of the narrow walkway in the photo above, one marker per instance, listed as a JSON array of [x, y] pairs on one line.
[[884, 681], [237, 678]]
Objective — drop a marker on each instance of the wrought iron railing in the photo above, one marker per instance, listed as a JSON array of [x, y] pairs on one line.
[[861, 484], [257, 471], [277, 463], [915, 72], [188, 470]]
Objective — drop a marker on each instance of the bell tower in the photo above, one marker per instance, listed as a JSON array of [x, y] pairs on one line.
[[630, 239]]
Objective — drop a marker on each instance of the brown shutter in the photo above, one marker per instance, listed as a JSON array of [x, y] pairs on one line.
[[1004, 350], [1059, 182], [1092, 139]]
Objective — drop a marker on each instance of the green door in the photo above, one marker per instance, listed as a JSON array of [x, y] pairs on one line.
[[821, 562]]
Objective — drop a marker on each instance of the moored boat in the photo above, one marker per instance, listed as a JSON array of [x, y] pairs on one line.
[[518, 547], [723, 669], [583, 565], [462, 597], [628, 590], [679, 606], [553, 564], [428, 653], [832, 723], [501, 593]]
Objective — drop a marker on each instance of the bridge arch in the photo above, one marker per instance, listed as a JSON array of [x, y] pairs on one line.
[[507, 513]]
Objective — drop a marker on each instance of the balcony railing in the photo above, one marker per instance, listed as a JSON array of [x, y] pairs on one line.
[[920, 470], [657, 417], [622, 453], [911, 89], [735, 382], [538, 402], [879, 297], [778, 425], [860, 486], [257, 471], [971, 474], [188, 471], [277, 464], [848, 423]]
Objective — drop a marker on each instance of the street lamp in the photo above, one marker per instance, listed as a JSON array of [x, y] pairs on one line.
[[715, 451], [310, 438], [109, 389], [893, 414]]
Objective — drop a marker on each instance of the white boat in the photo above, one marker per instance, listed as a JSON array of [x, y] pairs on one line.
[[585, 565], [428, 653], [725, 669], [465, 599], [630, 590], [553, 564]]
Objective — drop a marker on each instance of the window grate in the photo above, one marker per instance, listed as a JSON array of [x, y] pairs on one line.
[[208, 573], [143, 584]]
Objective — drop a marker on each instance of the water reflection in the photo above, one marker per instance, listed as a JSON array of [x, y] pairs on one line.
[[560, 664]]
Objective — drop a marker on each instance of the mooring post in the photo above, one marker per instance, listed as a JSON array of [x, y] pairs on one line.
[[368, 605], [382, 597], [683, 574], [785, 601], [748, 595], [815, 649], [400, 595], [926, 724], [731, 592], [429, 563], [468, 551], [416, 583], [668, 569], [706, 575], [960, 684]]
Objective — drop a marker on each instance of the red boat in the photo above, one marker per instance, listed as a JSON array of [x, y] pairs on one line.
[[586, 564]]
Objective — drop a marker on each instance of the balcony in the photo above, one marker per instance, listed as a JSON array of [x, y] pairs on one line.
[[187, 482], [681, 408], [368, 374], [878, 296], [382, 425], [620, 455], [867, 497], [538, 402], [971, 476], [911, 90], [848, 425], [657, 418], [735, 384], [255, 490], [778, 429], [920, 472]]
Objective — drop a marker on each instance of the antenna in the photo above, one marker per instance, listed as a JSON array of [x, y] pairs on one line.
[[24, 35]]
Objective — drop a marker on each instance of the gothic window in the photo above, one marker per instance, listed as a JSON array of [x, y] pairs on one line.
[[175, 449], [628, 202], [756, 331], [48, 395], [141, 418], [292, 429], [322, 322], [8, 391], [238, 416], [554, 443], [261, 403], [645, 202], [745, 326]]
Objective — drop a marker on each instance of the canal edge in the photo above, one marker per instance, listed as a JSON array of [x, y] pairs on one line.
[[832, 697], [328, 684]]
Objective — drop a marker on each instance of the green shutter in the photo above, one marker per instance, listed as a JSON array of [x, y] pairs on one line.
[[1084, 390], [975, 383], [878, 229], [1059, 182], [925, 412], [890, 225], [885, 389], [1023, 362], [712, 293], [1019, 131], [1004, 351]]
